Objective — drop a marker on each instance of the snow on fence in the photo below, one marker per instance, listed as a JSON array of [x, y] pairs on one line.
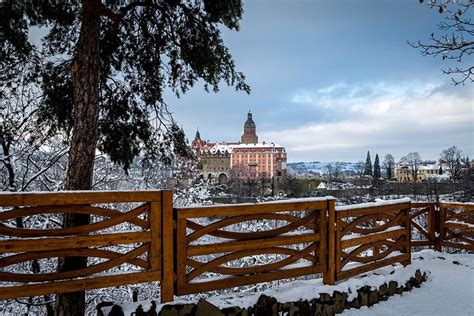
[[136, 237]]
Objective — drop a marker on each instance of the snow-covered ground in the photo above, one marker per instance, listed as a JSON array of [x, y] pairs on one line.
[[449, 291]]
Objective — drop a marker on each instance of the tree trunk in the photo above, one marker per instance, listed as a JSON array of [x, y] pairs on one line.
[[85, 76]]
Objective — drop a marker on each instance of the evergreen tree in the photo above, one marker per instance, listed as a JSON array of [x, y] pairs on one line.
[[389, 163], [457, 174], [368, 165], [103, 70], [440, 170], [377, 173]]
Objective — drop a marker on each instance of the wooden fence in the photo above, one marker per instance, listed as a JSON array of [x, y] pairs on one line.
[[371, 236], [295, 224], [142, 240], [137, 237]]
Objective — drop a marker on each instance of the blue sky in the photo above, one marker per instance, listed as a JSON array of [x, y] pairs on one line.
[[333, 79]]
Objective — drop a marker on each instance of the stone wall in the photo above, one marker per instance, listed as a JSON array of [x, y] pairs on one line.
[[324, 305]]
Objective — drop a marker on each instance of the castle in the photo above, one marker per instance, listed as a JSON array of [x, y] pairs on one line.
[[247, 159]]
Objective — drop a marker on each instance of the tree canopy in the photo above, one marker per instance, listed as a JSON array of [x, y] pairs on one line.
[[145, 47]]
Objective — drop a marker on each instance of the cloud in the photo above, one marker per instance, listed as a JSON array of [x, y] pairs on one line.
[[424, 117]]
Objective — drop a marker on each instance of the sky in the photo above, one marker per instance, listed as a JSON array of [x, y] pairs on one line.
[[333, 79]]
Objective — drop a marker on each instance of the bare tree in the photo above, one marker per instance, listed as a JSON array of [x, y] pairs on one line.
[[360, 168], [456, 39], [413, 161], [451, 155]]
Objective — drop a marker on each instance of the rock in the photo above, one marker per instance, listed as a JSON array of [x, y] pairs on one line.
[[293, 310], [383, 292], [392, 287], [102, 305], [169, 310], [339, 301], [325, 297], [373, 297], [328, 310], [116, 311], [400, 290], [204, 308], [318, 308], [186, 310], [232, 311], [266, 305], [363, 297], [304, 308], [418, 276]]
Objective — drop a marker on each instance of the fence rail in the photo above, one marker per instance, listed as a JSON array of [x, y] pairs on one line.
[[191, 250]]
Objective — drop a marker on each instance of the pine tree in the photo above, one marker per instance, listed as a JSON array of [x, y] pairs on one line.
[[104, 68], [457, 175], [377, 173], [440, 170], [368, 165]]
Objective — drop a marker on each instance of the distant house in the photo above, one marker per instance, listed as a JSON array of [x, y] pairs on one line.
[[430, 172]]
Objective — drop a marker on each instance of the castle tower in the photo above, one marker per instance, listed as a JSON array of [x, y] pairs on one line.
[[198, 135], [249, 136]]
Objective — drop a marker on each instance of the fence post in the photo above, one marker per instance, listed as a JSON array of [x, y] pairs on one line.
[[408, 234], [329, 277], [440, 226], [435, 225], [167, 254]]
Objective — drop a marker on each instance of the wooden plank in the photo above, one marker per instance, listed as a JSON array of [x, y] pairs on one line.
[[369, 267], [330, 276], [77, 230], [245, 209], [181, 256], [77, 197], [77, 285], [460, 226], [356, 212], [230, 246], [167, 285], [155, 229], [323, 230], [200, 287], [372, 237], [57, 243], [407, 236], [457, 245], [458, 206], [83, 272], [422, 204], [421, 243], [68, 209]]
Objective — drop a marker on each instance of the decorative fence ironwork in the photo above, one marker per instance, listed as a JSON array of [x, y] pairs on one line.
[[195, 249]]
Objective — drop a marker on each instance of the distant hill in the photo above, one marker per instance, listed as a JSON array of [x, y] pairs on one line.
[[321, 167]]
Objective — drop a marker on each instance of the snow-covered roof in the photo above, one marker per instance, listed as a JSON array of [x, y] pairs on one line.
[[221, 147], [430, 167], [258, 145], [321, 185]]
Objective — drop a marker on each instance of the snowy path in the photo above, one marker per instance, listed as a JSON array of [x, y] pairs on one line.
[[449, 292]]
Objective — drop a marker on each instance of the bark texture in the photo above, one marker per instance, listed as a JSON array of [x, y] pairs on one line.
[[85, 76]]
